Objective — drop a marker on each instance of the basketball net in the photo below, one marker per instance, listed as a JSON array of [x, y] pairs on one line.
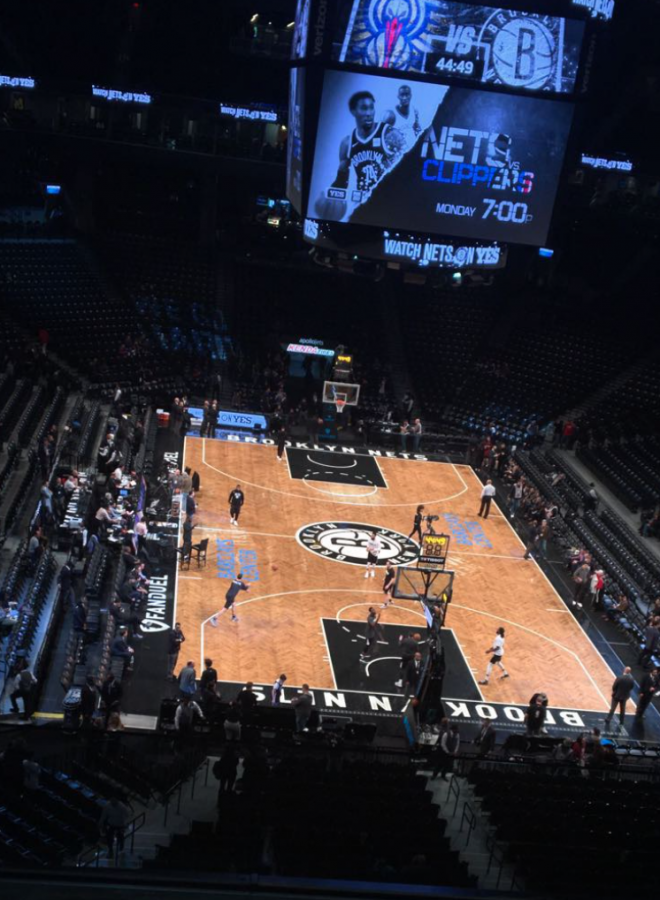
[[340, 404]]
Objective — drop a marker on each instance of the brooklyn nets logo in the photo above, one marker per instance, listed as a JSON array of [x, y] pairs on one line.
[[524, 50], [346, 542]]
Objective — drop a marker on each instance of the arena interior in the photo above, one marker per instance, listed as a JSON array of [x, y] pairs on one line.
[[329, 448]]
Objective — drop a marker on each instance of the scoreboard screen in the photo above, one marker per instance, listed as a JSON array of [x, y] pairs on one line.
[[437, 159], [524, 51]]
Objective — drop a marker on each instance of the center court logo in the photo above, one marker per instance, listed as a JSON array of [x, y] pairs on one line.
[[346, 542]]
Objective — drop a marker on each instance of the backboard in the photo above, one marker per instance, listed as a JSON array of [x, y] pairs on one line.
[[416, 583], [338, 390]]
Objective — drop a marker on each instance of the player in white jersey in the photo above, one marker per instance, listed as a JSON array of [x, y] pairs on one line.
[[374, 546], [405, 118], [497, 651]]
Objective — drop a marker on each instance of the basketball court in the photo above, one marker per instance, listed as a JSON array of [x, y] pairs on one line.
[[300, 544]]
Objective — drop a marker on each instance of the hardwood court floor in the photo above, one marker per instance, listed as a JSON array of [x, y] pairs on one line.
[[279, 627]]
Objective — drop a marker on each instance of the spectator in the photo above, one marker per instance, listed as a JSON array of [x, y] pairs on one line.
[[112, 823], [302, 705], [24, 688], [79, 617], [209, 677], [277, 690], [184, 717], [34, 547], [232, 726], [67, 592], [31, 772], [47, 502], [535, 715], [621, 691], [120, 648], [486, 739], [176, 639], [416, 432], [88, 701], [581, 578], [246, 701], [188, 680], [225, 770], [651, 642], [447, 750], [596, 585], [111, 694]]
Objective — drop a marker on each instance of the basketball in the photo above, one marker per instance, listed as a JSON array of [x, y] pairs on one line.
[[523, 54], [329, 208], [395, 140]]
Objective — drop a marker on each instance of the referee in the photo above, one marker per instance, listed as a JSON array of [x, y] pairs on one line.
[[236, 501], [487, 495]]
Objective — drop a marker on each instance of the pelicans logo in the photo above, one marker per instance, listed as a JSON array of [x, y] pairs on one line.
[[391, 34]]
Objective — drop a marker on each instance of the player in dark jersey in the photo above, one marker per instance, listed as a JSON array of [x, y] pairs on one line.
[[236, 501], [388, 583], [233, 591], [369, 150]]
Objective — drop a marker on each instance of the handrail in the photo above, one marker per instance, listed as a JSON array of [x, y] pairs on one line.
[[470, 817], [93, 854], [456, 791]]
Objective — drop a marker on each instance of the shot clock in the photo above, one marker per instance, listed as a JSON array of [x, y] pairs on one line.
[[433, 554]]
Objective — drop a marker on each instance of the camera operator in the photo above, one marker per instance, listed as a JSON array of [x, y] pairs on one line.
[[417, 524]]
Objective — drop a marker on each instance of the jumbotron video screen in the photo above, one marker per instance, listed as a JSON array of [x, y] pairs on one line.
[[437, 159], [524, 51]]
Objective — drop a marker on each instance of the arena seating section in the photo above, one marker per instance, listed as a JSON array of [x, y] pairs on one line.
[[442, 334], [631, 568], [591, 835], [375, 818], [539, 374], [51, 825], [173, 289]]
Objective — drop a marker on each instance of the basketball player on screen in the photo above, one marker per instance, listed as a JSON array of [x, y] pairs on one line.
[[365, 155], [405, 118]]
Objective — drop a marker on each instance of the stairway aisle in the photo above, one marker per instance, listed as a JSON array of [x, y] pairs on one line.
[[473, 846]]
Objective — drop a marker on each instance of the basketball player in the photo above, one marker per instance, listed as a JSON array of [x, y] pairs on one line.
[[236, 501], [374, 632], [365, 155], [374, 546], [417, 524], [281, 442], [497, 651], [388, 583], [405, 118], [235, 588]]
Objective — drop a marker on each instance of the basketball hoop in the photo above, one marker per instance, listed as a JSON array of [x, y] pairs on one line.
[[340, 403]]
